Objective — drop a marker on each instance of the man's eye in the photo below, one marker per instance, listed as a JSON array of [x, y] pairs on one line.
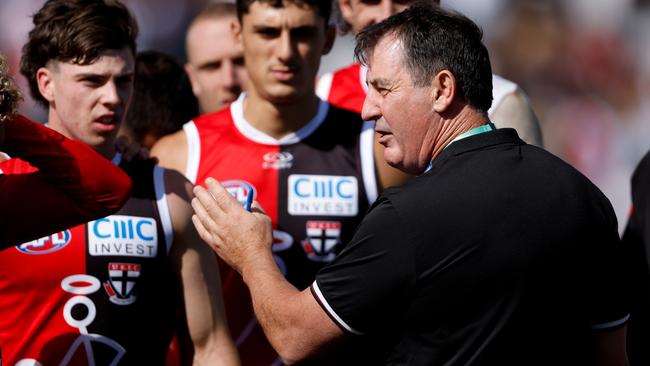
[[268, 32], [92, 81]]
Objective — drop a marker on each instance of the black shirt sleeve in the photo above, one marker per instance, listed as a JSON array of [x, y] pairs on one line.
[[371, 278]]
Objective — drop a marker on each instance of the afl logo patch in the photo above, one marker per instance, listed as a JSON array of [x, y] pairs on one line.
[[277, 160], [239, 189], [46, 244]]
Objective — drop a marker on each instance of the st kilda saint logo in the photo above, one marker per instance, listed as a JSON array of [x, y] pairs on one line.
[[121, 282]]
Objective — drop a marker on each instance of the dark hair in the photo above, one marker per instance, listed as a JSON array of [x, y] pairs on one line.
[[162, 97], [9, 95], [434, 39], [76, 31], [324, 7]]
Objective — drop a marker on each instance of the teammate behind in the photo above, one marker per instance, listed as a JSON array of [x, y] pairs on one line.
[[73, 185], [109, 291], [309, 164], [162, 99], [346, 88], [215, 62]]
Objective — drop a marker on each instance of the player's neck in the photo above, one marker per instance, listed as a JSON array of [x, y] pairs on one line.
[[278, 120]]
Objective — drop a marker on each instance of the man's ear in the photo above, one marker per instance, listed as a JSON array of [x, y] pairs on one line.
[[330, 37], [236, 28], [189, 70], [443, 90], [45, 82], [346, 9]]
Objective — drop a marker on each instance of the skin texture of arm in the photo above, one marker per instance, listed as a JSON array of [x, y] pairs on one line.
[[73, 184], [171, 151], [200, 284], [293, 321]]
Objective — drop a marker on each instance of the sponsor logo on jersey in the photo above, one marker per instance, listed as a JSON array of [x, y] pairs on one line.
[[277, 160], [239, 189], [322, 239], [121, 282], [323, 195], [47, 244], [129, 236]]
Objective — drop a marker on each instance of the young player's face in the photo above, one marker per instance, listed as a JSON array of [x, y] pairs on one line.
[[405, 120], [89, 102], [362, 13], [215, 63], [282, 50]]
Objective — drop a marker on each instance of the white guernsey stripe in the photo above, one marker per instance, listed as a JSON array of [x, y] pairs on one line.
[[321, 300], [611, 324], [367, 149], [246, 129], [193, 151], [501, 88], [324, 86], [163, 207]]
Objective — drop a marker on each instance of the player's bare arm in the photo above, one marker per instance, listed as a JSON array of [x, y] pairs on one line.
[[199, 279], [171, 151], [293, 321]]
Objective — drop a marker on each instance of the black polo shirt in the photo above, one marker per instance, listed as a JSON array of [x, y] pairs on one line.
[[636, 241], [500, 254]]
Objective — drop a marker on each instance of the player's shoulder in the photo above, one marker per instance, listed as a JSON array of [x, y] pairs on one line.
[[170, 141], [352, 69], [213, 119]]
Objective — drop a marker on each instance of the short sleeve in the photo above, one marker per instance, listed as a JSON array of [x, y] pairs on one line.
[[371, 278], [607, 285]]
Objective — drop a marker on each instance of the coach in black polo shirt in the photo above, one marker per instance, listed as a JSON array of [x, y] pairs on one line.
[[498, 254]]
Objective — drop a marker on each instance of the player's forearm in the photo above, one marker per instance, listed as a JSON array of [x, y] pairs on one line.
[[278, 307]]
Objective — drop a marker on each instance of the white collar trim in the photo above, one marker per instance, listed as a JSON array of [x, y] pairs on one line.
[[246, 129]]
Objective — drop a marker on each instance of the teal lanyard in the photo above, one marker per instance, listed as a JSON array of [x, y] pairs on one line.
[[474, 131]]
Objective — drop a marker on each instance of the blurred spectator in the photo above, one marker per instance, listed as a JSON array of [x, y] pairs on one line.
[[162, 99]]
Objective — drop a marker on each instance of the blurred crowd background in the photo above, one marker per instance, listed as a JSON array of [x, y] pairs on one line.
[[585, 64]]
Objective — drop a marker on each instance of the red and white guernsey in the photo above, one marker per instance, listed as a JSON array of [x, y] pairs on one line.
[[101, 293], [316, 185], [346, 88]]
